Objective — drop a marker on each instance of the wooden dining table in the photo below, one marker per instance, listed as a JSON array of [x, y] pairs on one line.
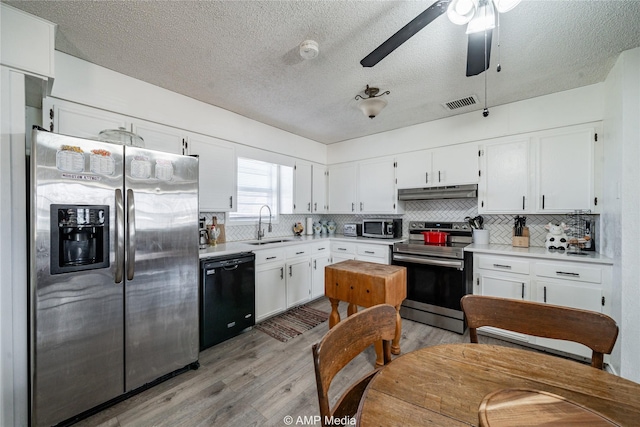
[[444, 385]]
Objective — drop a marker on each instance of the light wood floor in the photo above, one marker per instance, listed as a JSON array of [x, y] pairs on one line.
[[254, 380]]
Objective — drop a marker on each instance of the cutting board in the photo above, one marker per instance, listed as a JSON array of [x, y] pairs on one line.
[[222, 238]]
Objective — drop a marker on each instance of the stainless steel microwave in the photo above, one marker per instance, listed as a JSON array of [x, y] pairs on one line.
[[382, 228]]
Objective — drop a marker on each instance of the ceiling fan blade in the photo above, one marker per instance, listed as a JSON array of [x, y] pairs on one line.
[[405, 33], [475, 53]]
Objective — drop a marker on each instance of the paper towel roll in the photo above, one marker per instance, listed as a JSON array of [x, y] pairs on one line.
[[309, 226]]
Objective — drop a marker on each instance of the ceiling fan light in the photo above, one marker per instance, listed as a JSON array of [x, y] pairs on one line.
[[371, 107], [484, 19], [461, 11], [503, 6]]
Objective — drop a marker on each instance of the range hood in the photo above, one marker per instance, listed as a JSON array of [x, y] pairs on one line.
[[439, 193]]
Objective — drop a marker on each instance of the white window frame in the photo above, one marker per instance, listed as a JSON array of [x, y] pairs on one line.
[[244, 187]]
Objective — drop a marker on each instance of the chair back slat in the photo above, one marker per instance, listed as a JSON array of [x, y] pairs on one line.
[[594, 330], [343, 343]]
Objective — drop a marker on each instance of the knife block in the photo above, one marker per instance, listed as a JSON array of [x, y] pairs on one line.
[[520, 241]]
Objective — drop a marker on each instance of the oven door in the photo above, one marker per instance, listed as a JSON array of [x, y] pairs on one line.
[[436, 285]]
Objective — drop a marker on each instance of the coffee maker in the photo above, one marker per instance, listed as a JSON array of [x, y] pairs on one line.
[[203, 241], [79, 238]]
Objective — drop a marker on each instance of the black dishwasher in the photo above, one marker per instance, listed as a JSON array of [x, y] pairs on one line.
[[227, 297]]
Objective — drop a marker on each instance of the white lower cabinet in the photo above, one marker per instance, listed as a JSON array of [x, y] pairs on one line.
[[378, 253], [342, 251], [271, 293], [298, 282], [320, 259], [580, 285], [370, 252], [292, 275], [283, 279]]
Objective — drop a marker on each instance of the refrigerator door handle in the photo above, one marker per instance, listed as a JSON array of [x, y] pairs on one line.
[[131, 230], [119, 236]]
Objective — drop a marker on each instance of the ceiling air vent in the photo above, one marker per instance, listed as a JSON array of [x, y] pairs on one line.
[[460, 103]]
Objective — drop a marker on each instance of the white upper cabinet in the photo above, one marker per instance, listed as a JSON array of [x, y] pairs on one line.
[[551, 171], [26, 41], [309, 188], [565, 170], [455, 165], [504, 181], [217, 184], [444, 166], [319, 188], [302, 188], [342, 188], [376, 187], [366, 187], [78, 120], [160, 137], [414, 169]]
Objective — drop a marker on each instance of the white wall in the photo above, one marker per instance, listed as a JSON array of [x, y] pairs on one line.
[[621, 208], [576, 106], [89, 84]]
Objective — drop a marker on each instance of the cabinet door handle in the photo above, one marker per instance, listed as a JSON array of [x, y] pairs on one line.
[[543, 201], [426, 177], [281, 273], [369, 252], [522, 202], [309, 207], [565, 273], [271, 257], [353, 207], [290, 272], [342, 249], [508, 267], [299, 253], [315, 267], [361, 204], [439, 179], [545, 294], [315, 207], [523, 291], [230, 201]]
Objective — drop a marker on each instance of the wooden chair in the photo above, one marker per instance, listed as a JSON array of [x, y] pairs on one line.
[[595, 330], [343, 343]]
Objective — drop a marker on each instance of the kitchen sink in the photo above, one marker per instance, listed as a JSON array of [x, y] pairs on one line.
[[269, 242]]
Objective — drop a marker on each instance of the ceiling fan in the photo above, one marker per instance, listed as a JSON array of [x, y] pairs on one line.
[[478, 14]]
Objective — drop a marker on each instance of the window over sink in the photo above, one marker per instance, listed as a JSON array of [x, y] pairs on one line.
[[262, 183]]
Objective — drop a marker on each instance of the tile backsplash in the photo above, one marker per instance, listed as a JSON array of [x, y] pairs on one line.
[[453, 210]]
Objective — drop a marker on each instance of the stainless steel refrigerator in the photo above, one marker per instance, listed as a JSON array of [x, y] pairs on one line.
[[114, 271]]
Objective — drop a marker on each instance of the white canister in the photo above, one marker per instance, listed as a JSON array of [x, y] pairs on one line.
[[481, 237], [309, 226]]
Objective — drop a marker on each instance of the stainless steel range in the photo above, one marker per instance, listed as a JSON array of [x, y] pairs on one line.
[[438, 274]]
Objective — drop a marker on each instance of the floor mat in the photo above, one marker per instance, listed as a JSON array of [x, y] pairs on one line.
[[292, 323]]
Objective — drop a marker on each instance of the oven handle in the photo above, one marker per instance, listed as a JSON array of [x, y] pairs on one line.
[[429, 261]]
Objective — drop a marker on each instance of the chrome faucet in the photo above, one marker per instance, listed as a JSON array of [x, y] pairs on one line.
[[260, 230]]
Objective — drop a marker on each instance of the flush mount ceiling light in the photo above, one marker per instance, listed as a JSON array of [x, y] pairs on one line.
[[373, 103]]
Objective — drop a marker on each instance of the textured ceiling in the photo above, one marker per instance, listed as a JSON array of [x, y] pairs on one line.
[[243, 55]]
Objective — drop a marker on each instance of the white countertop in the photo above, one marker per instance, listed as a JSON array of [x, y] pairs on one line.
[[539, 252], [246, 246]]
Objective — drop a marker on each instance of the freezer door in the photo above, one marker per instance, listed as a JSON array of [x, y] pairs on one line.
[[76, 314], [161, 267]]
